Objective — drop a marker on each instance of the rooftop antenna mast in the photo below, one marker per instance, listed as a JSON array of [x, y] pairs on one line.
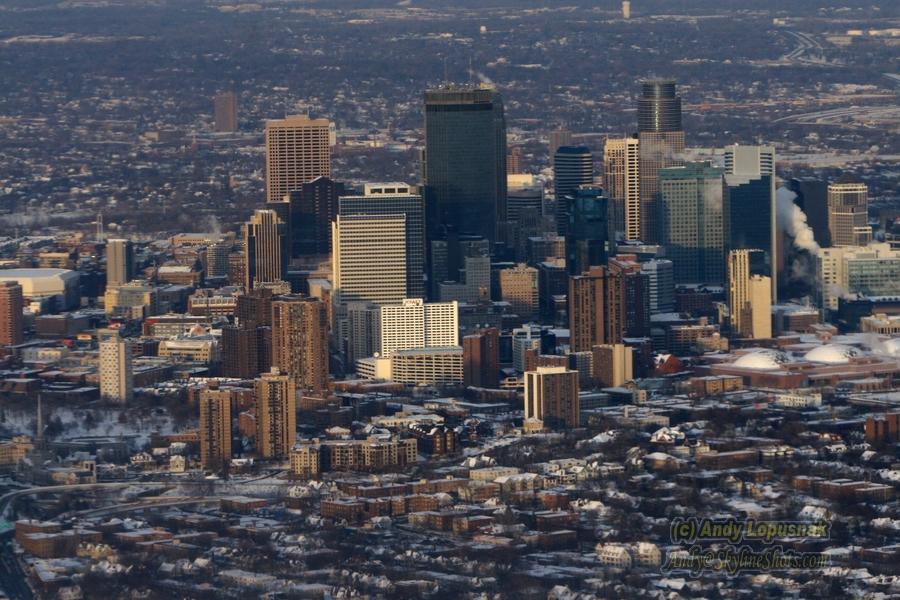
[[99, 227]]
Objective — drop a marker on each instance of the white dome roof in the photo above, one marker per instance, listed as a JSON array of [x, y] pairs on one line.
[[762, 360], [832, 354]]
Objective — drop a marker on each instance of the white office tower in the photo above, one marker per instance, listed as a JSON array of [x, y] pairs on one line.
[[753, 161], [872, 270], [417, 324], [116, 377], [661, 276], [369, 258]]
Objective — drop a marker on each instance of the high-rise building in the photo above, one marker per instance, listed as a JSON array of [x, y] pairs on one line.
[[573, 167], [519, 287], [872, 270], [246, 350], [621, 182], [363, 331], [115, 370], [417, 324], [314, 205], [749, 297], [750, 177], [298, 149], [695, 222], [386, 199], [514, 160], [596, 310], [626, 9], [481, 358], [661, 279], [276, 414], [812, 198], [525, 338], [465, 159], [119, 262], [613, 364], [848, 213], [587, 232], [215, 427], [369, 259], [265, 252], [225, 112], [661, 144], [11, 318], [523, 193], [556, 139], [551, 396], [635, 295], [300, 341]]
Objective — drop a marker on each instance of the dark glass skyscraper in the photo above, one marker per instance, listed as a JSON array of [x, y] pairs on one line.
[[573, 166], [465, 160], [587, 244], [661, 144]]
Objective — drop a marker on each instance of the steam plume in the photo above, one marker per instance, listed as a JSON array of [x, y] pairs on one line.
[[792, 220]]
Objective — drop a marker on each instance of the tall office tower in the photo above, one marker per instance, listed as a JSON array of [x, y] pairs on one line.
[[386, 199], [519, 287], [872, 270], [750, 177], [514, 161], [622, 184], [11, 305], [116, 377], [465, 159], [661, 278], [300, 341], [848, 212], [217, 260], [417, 324], [749, 297], [481, 358], [587, 244], [298, 149], [557, 139], [596, 311], [635, 295], [225, 109], [812, 198], [276, 414], [523, 193], [695, 221], [551, 396], [215, 427], [363, 331], [313, 207], [661, 143], [613, 364], [369, 259], [573, 167], [553, 284], [265, 256], [119, 262], [626, 9]]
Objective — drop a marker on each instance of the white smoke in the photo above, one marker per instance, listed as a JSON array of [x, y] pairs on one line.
[[792, 220]]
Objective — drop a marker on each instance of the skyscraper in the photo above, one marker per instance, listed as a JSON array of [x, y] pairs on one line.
[[11, 305], [119, 262], [749, 297], [695, 222], [225, 109], [660, 276], [635, 295], [848, 213], [587, 242], [265, 253], [519, 287], [558, 137], [115, 370], [298, 149], [465, 159], [613, 364], [596, 310], [750, 177], [661, 143], [573, 167], [384, 199], [621, 182], [276, 414], [369, 258], [481, 358], [314, 205], [551, 396], [215, 427], [300, 341]]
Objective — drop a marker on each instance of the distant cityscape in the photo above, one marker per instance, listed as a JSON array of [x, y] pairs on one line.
[[452, 315]]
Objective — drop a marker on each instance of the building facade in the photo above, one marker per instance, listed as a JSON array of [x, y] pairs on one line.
[[298, 149]]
